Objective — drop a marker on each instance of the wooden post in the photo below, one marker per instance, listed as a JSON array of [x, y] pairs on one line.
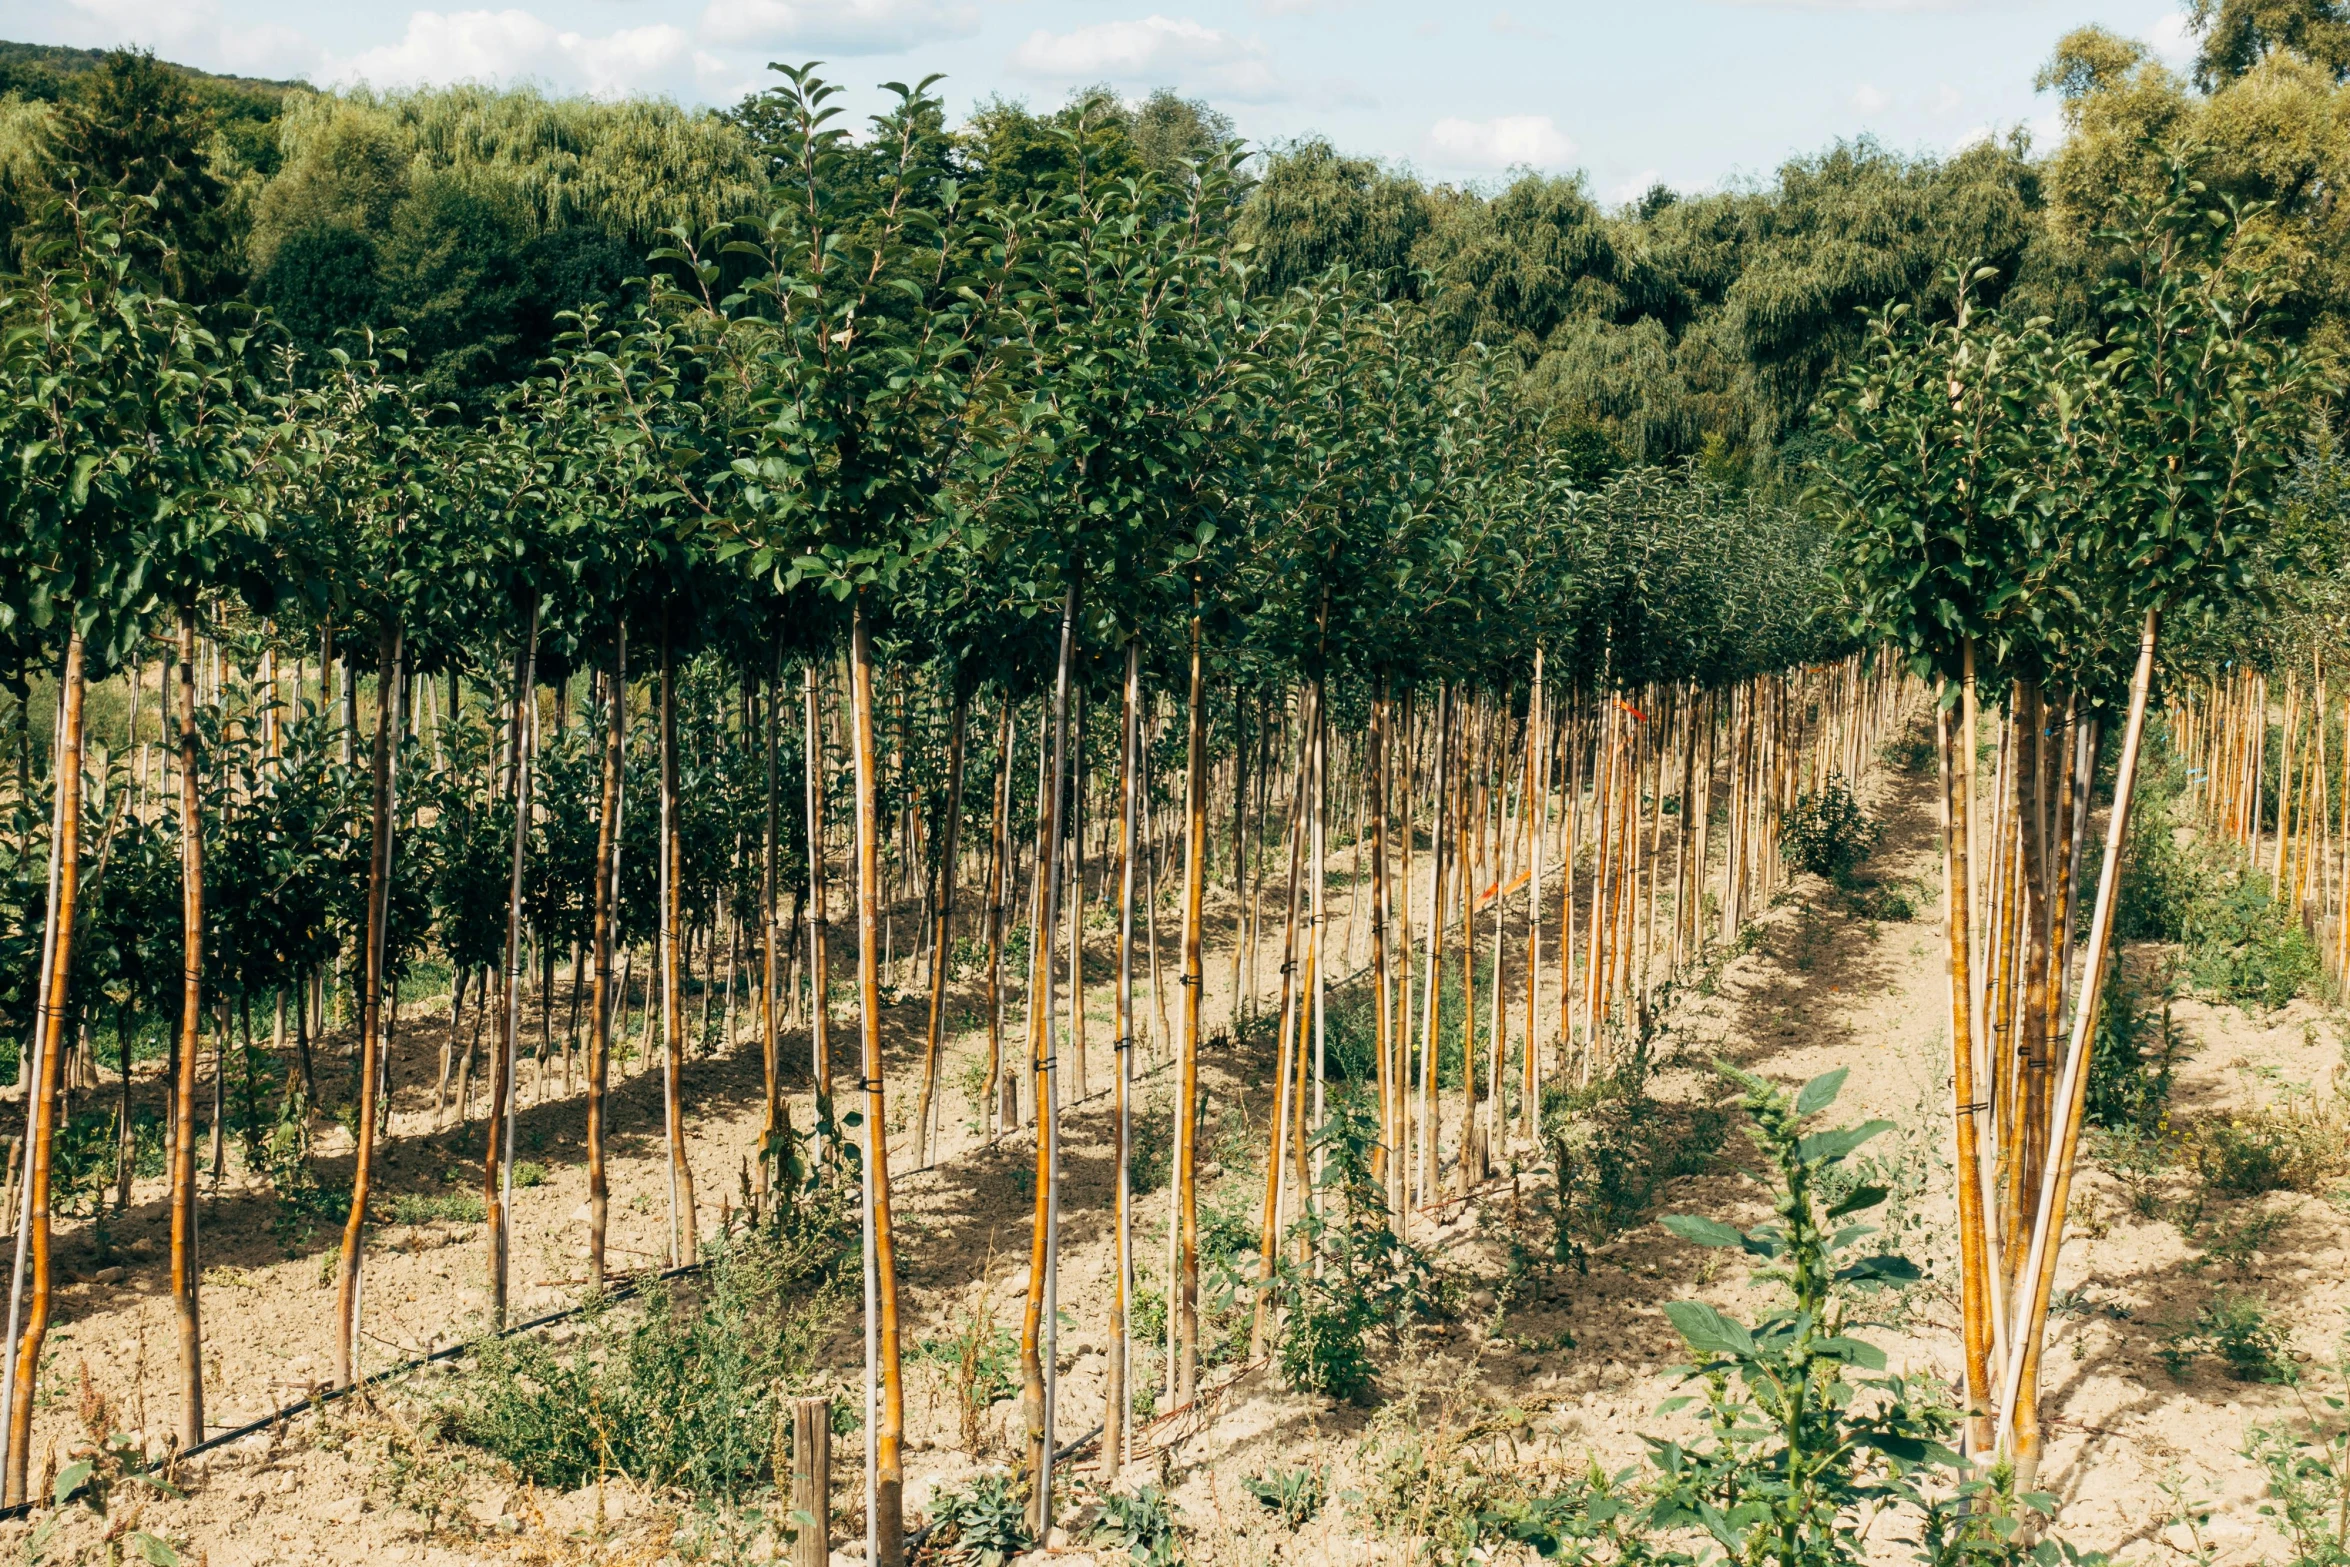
[[811, 1481]]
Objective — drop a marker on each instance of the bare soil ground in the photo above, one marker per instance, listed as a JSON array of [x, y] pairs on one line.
[[1542, 1375]]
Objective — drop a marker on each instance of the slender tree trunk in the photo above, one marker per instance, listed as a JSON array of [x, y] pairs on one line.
[[1269, 1233], [1390, 1088], [371, 1041], [2019, 1386], [819, 960], [1117, 1412], [1040, 1329], [497, 1151], [186, 1263], [1432, 1008], [771, 1117], [997, 1111], [42, 1088], [885, 1403], [606, 900], [684, 1236], [1536, 811], [943, 927], [1974, 1259], [1195, 854]]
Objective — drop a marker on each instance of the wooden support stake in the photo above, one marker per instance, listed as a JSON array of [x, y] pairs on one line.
[[811, 1481]]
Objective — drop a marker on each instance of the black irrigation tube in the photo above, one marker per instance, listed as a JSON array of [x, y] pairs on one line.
[[623, 1290]]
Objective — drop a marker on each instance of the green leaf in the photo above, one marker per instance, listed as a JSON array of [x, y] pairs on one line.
[[1880, 1270], [1707, 1331], [157, 1552], [1824, 1147], [69, 1480], [1861, 1197], [1853, 1352], [1820, 1092], [1702, 1231]]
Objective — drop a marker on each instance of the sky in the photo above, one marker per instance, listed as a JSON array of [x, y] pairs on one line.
[[1697, 94]]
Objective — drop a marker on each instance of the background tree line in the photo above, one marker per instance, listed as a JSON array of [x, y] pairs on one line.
[[1675, 326]]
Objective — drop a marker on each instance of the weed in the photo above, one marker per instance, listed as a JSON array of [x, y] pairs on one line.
[[2236, 1246], [1144, 1524], [983, 1524], [1799, 1451], [425, 1208], [1891, 903], [1911, 751], [1426, 1482], [2245, 948], [971, 1082], [679, 1394], [2138, 1157], [1613, 1148], [981, 1358], [2296, 1145], [1827, 833], [1296, 1494], [528, 1174], [2135, 1055], [2236, 1329], [2308, 1468], [1360, 1278]]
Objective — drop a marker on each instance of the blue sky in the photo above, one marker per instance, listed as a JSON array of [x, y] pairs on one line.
[[1697, 93]]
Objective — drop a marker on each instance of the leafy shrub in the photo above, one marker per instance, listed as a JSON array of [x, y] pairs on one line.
[[2134, 1057], [1143, 1524], [2236, 1329], [1911, 751], [2245, 948], [1826, 832], [2163, 882], [983, 1524], [1359, 1278], [683, 1393]]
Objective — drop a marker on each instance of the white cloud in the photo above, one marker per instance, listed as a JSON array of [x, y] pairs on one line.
[[512, 45], [1632, 187], [1503, 142], [1155, 50], [192, 30], [1861, 5], [840, 26], [1509, 26], [1947, 99], [2173, 40], [1870, 99]]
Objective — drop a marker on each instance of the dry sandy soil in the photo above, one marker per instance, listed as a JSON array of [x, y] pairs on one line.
[[1536, 1379]]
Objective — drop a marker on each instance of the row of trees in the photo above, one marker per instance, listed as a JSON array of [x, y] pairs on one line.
[[993, 454], [2031, 514]]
